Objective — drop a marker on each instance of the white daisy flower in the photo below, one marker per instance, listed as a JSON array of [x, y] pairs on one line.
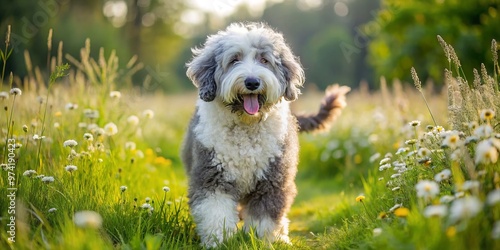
[[443, 175], [427, 189], [465, 208], [486, 153], [435, 211], [446, 199], [487, 114]]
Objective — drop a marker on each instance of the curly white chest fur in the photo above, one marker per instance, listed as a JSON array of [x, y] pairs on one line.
[[243, 151]]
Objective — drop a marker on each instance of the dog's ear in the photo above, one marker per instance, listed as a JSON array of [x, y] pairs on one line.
[[201, 71], [293, 75]]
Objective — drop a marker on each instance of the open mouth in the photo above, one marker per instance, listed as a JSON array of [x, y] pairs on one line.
[[251, 103]]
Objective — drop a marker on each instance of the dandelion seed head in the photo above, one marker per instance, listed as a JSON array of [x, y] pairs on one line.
[[130, 146], [71, 106], [123, 188], [166, 189], [87, 219], [435, 211], [133, 120], [110, 129], [148, 113], [16, 91], [427, 189]]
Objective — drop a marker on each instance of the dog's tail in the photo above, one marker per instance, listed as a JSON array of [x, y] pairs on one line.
[[331, 107]]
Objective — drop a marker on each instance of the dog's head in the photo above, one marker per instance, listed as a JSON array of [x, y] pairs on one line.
[[248, 67]]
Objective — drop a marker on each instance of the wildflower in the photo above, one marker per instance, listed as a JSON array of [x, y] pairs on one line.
[[451, 232], [402, 150], [4, 95], [402, 212], [99, 132], [465, 208], [447, 198], [384, 167], [483, 131], [146, 206], [130, 145], [427, 189], [47, 179], [167, 189], [25, 128], [410, 142], [115, 94], [395, 176], [495, 232], [396, 188], [452, 140], [71, 106], [88, 137], [91, 114], [493, 197], [385, 161], [395, 207], [471, 139], [148, 113], [123, 188], [360, 198], [380, 179], [29, 173], [424, 152], [443, 175], [470, 185], [110, 129], [133, 120], [71, 168], [487, 114], [382, 215], [15, 91], [36, 137], [52, 210], [414, 123], [486, 153], [148, 199], [70, 143], [82, 125], [377, 231], [87, 219], [435, 211]]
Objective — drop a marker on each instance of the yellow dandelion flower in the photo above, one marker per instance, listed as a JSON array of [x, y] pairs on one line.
[[402, 212], [360, 198], [451, 232], [58, 114]]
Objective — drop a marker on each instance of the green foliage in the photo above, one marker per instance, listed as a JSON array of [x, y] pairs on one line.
[[404, 35]]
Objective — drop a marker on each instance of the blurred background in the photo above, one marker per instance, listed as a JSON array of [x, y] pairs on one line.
[[344, 41]]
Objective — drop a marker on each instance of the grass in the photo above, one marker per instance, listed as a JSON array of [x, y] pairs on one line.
[[357, 183]]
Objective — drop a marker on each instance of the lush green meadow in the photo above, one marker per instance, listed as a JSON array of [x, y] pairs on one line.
[[90, 165]]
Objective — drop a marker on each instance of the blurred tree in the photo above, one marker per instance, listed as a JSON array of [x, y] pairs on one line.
[[404, 35]]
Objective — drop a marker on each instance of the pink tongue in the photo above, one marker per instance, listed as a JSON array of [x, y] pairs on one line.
[[251, 104]]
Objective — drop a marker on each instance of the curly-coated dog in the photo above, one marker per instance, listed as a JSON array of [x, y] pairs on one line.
[[241, 148]]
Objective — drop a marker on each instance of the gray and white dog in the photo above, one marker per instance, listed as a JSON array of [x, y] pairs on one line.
[[241, 149]]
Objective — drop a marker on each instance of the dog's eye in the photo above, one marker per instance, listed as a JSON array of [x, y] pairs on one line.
[[263, 60], [234, 60]]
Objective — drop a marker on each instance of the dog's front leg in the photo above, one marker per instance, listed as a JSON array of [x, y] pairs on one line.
[[215, 215]]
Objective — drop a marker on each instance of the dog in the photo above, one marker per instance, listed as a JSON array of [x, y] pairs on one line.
[[241, 148]]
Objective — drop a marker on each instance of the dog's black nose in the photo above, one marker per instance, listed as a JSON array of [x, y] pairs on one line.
[[252, 83]]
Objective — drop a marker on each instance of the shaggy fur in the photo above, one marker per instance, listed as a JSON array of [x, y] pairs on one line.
[[241, 148]]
